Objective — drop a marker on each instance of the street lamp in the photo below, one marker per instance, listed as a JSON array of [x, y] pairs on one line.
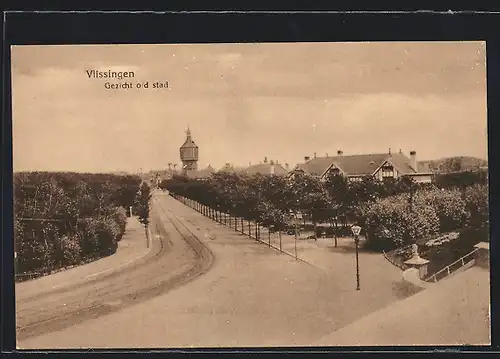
[[355, 231]]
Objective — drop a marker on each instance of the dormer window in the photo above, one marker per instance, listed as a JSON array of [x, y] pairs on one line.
[[387, 171]]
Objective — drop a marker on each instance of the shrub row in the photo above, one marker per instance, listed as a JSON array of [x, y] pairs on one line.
[[44, 247], [400, 220], [64, 219], [391, 213]]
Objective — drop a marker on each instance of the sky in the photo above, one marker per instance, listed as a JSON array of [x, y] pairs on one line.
[[245, 102]]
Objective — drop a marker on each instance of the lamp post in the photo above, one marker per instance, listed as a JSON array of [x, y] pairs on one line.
[[355, 231]]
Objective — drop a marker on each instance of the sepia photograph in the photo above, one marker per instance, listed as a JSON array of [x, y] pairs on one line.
[[231, 195]]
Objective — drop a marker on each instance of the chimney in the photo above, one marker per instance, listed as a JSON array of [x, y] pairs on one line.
[[265, 159], [271, 168], [306, 158], [390, 151], [400, 151], [287, 166], [326, 155], [413, 160], [271, 163], [314, 154], [340, 153]]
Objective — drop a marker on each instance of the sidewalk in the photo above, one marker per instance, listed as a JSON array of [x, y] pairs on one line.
[[131, 247], [454, 311]]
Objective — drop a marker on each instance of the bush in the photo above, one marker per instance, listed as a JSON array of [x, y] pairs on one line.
[[98, 236], [476, 202], [107, 233], [390, 223], [119, 216], [35, 249], [68, 251], [449, 247], [449, 206], [462, 179], [87, 235]]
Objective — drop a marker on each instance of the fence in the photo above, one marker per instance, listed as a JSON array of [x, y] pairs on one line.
[[239, 225], [449, 269], [396, 258]]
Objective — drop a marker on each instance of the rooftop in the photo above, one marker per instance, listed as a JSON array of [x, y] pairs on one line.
[[189, 143], [358, 165], [266, 169]]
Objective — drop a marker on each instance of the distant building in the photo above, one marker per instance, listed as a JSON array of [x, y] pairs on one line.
[[229, 168], [267, 168], [355, 167], [189, 154]]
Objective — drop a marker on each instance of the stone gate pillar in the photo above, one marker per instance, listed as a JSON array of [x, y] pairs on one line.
[[417, 262]]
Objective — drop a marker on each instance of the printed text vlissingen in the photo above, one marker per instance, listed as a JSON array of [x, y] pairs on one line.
[[109, 74]]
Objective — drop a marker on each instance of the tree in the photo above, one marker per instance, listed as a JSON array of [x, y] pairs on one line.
[[476, 202], [143, 198], [337, 187]]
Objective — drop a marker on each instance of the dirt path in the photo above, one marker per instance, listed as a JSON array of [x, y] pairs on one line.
[[176, 258]]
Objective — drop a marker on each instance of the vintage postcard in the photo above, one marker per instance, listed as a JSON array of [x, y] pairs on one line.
[[251, 195]]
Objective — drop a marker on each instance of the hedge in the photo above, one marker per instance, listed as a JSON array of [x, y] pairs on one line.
[[400, 220], [63, 219], [449, 205]]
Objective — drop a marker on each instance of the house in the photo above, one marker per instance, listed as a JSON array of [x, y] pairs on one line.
[[355, 167], [267, 168]]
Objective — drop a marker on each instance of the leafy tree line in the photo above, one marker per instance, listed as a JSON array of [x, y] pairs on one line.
[[63, 219], [392, 213]]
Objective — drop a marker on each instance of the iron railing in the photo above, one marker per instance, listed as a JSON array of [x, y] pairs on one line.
[[449, 269]]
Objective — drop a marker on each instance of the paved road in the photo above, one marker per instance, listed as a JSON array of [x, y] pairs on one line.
[[176, 257], [252, 296]]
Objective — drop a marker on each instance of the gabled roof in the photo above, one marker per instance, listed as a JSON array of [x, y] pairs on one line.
[[356, 165], [266, 169], [401, 163], [316, 166]]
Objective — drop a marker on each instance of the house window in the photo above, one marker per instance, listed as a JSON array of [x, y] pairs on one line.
[[387, 172]]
